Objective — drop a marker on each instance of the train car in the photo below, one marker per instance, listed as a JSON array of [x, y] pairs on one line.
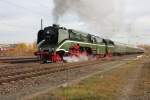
[[125, 49], [54, 42]]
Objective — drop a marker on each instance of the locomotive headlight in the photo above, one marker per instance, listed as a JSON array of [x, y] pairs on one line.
[[48, 32]]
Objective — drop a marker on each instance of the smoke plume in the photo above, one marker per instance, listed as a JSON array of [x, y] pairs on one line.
[[103, 16]]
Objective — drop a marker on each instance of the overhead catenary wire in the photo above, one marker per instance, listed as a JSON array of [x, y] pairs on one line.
[[18, 26], [22, 7], [43, 5], [40, 14]]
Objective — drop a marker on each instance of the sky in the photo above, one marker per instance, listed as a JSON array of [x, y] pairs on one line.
[[20, 20]]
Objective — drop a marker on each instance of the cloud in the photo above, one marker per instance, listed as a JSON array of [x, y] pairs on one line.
[[19, 24], [22, 24], [136, 8]]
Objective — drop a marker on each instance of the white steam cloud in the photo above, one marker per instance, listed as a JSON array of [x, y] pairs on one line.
[[79, 58], [102, 16]]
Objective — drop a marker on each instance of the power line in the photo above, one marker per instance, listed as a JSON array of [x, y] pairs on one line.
[[17, 26], [27, 9], [40, 4]]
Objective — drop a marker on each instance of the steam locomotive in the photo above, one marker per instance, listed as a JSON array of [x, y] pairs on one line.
[[55, 42]]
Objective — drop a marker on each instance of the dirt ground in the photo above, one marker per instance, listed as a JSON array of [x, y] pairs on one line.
[[129, 82], [141, 89], [137, 86]]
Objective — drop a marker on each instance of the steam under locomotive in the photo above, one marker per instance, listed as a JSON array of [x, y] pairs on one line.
[[54, 42]]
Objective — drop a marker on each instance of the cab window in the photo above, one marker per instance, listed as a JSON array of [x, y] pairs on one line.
[[99, 40]]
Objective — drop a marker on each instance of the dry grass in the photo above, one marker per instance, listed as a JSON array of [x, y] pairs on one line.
[[142, 87], [104, 86], [21, 49]]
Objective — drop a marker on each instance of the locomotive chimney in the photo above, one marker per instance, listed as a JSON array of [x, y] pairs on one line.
[[41, 24]]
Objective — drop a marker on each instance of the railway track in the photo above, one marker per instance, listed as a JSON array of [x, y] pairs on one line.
[[22, 74], [16, 72], [18, 59], [19, 80]]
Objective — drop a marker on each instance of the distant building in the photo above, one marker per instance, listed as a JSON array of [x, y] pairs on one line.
[[6, 47]]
